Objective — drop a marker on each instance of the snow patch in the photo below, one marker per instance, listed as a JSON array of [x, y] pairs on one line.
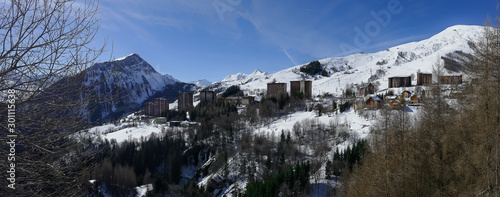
[[143, 190]]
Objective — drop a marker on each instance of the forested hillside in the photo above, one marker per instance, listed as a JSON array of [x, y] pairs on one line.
[[450, 151]]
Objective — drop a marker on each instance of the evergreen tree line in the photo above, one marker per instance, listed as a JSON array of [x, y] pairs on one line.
[[155, 160], [290, 182], [158, 160], [232, 91], [346, 160], [314, 68]]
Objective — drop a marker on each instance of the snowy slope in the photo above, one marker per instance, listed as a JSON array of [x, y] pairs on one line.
[[357, 123], [129, 128], [132, 133], [201, 83], [242, 78], [131, 73], [127, 82], [403, 60]]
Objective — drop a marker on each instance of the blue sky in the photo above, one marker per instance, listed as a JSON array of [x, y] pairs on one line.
[[210, 39]]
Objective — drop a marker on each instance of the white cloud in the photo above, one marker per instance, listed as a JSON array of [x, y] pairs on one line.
[[289, 56]]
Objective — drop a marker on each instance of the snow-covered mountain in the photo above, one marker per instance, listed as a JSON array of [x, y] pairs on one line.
[[201, 83], [132, 73], [402, 60], [122, 85], [242, 78], [131, 77], [170, 77], [135, 81]]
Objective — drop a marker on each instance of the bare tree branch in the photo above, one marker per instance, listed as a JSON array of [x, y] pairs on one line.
[[43, 44]]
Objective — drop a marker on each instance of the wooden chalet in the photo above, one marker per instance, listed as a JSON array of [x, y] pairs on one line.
[[373, 102], [394, 103], [365, 89], [415, 100]]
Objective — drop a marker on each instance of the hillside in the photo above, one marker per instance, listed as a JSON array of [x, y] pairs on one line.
[[230, 150], [402, 60], [121, 86]]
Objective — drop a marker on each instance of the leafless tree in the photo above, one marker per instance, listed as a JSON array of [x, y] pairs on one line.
[[43, 44], [452, 151], [484, 110]]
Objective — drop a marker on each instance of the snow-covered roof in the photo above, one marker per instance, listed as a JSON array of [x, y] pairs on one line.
[[391, 97], [452, 75], [376, 98]]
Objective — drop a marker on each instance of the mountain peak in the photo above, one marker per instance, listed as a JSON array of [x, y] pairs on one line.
[[402, 60], [463, 28], [135, 69], [201, 82], [235, 77], [135, 55], [171, 78], [258, 72]]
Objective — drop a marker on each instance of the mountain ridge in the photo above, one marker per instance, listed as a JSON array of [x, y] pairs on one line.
[[138, 81], [405, 59], [125, 84]]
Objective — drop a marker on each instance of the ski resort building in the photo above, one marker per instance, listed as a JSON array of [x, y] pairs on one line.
[[424, 79], [149, 108], [304, 87], [207, 96], [366, 88], [185, 101], [397, 82], [276, 89], [157, 107]]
